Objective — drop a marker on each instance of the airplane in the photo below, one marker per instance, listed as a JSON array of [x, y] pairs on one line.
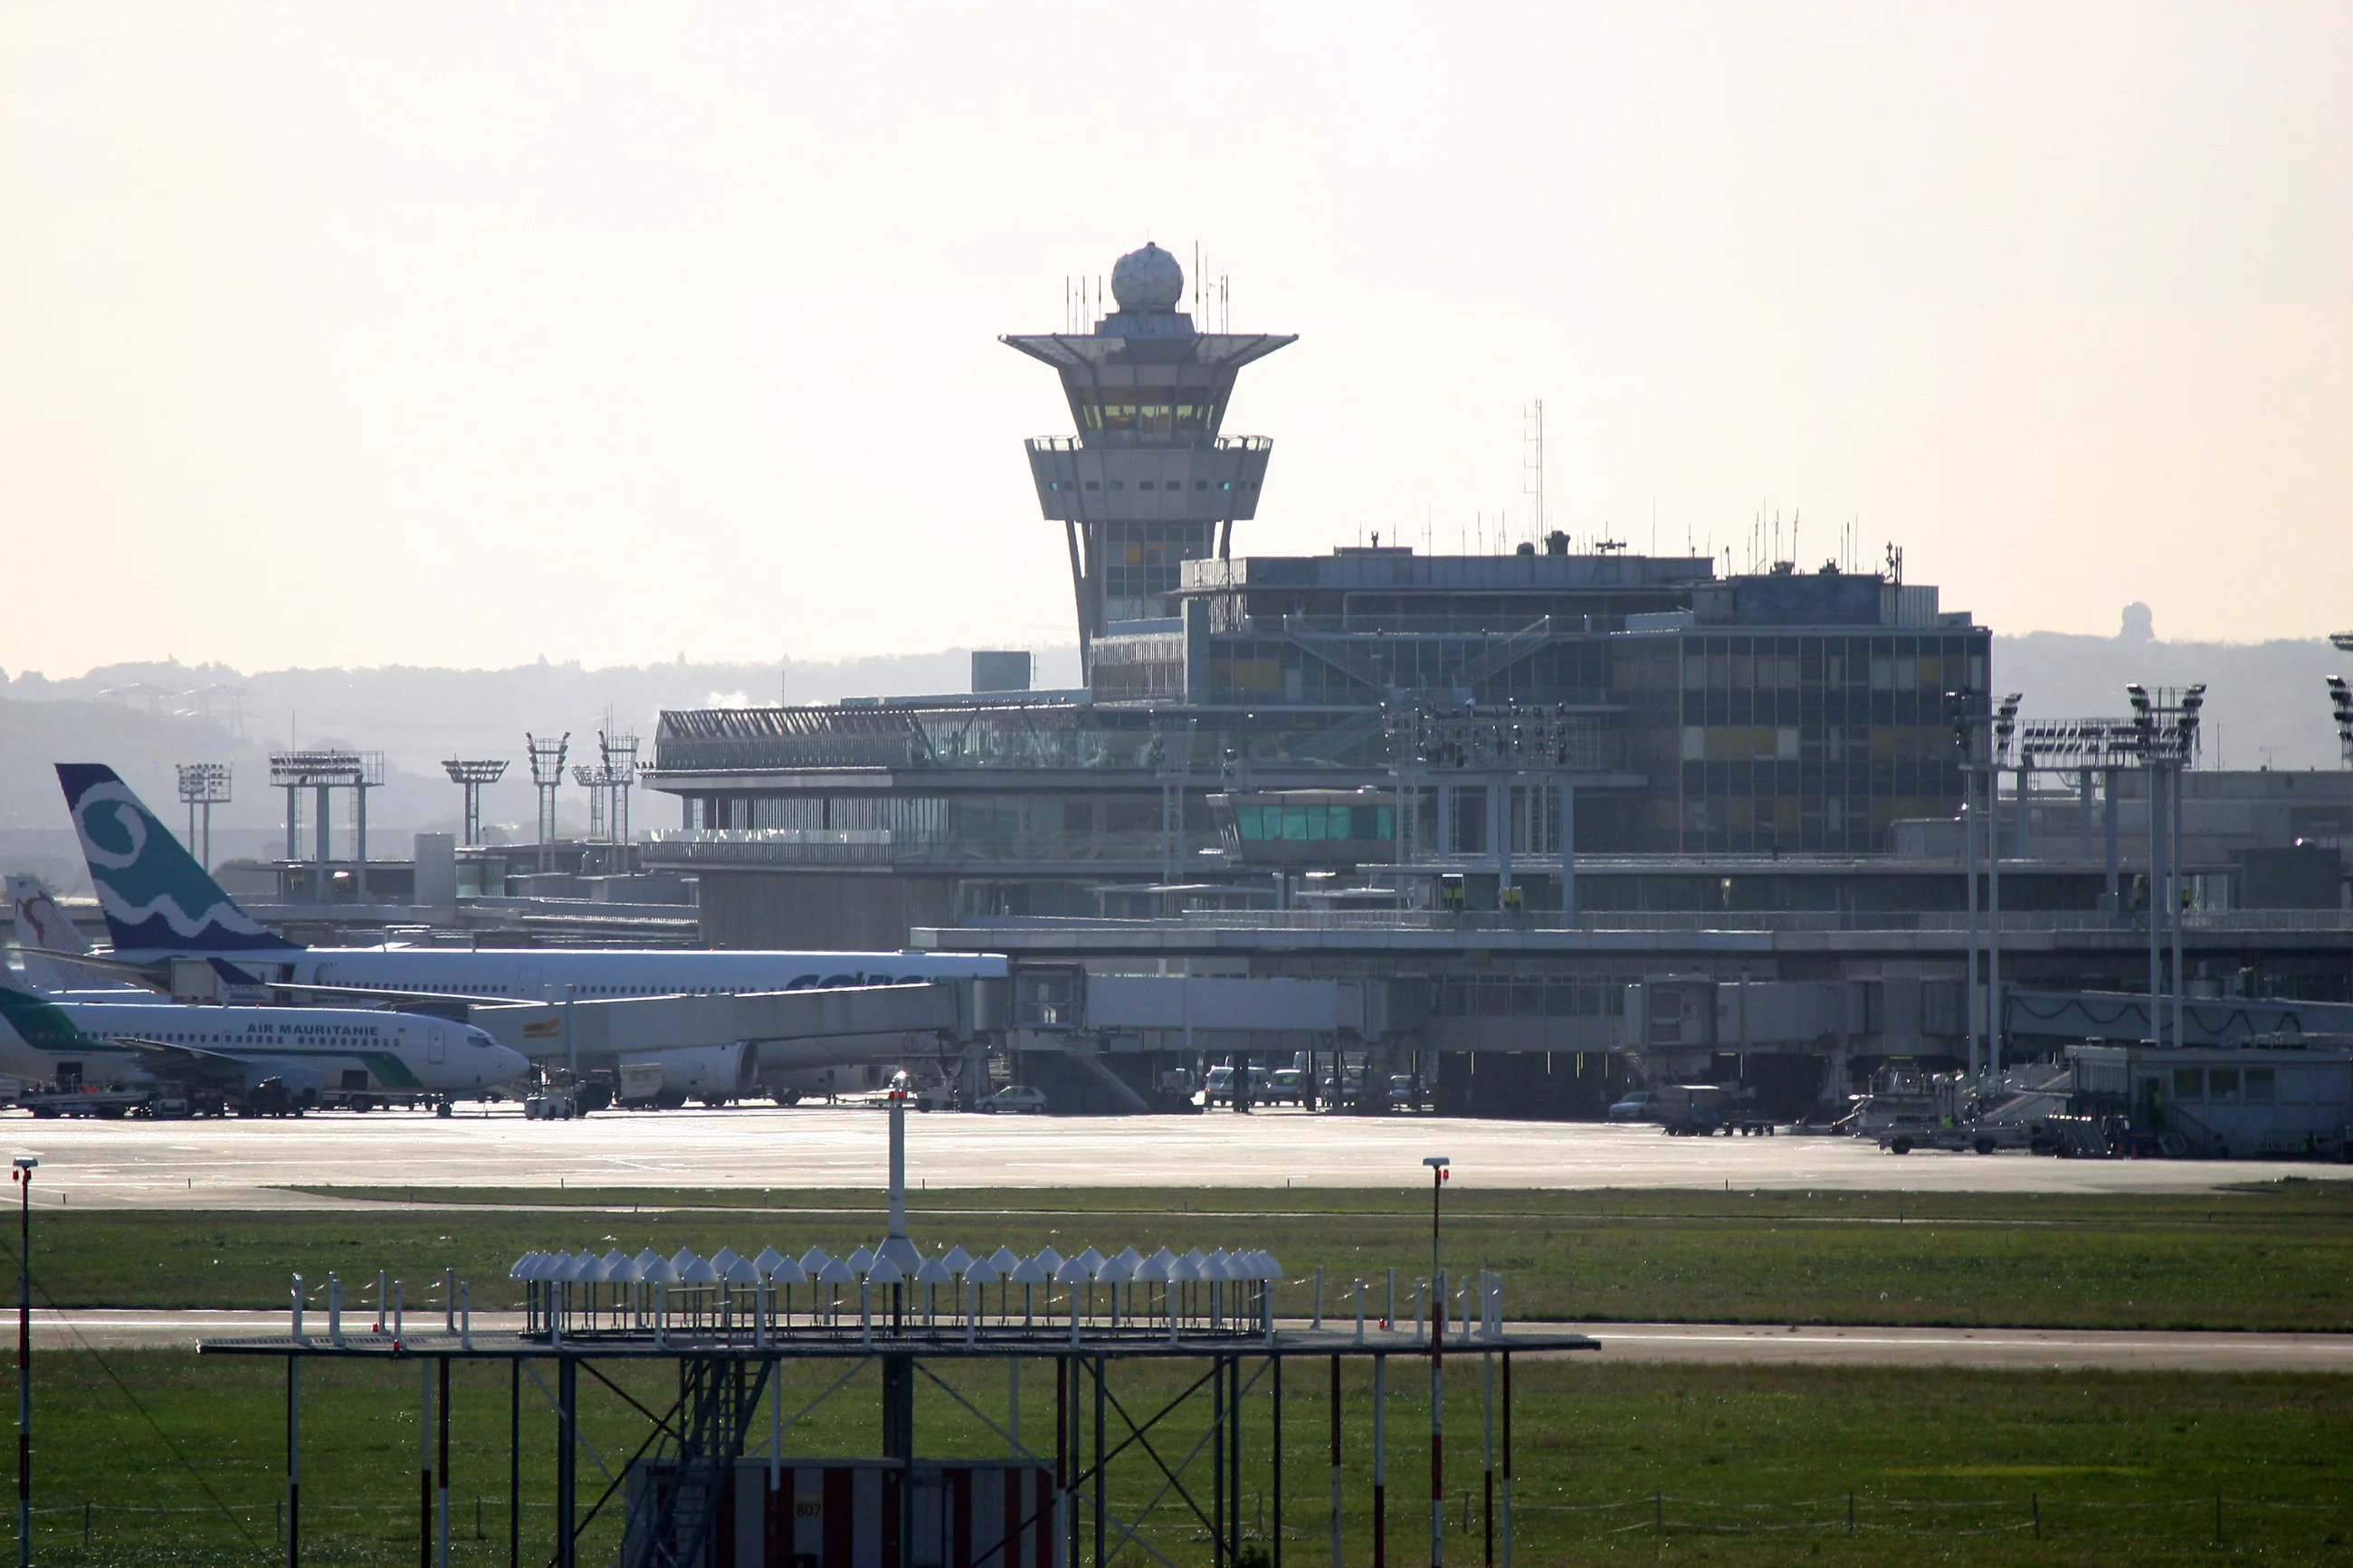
[[363, 1056], [159, 904], [48, 942]]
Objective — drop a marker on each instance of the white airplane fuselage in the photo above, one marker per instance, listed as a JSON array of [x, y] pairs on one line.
[[333, 1049]]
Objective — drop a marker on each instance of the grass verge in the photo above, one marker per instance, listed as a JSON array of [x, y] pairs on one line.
[[2274, 1257], [168, 1458]]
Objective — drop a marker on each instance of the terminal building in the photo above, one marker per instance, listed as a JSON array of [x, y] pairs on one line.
[[1792, 712], [1512, 791]]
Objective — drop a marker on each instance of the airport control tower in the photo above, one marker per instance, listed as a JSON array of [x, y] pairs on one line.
[[1148, 482]]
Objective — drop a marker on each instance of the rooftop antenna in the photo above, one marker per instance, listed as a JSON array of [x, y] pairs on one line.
[[1532, 458]]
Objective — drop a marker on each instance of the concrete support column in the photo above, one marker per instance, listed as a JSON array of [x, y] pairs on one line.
[[318, 853], [1568, 849], [2116, 872], [1499, 834]]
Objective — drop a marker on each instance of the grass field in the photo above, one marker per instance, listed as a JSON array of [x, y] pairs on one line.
[[166, 1459], [1616, 1463], [2278, 1257]]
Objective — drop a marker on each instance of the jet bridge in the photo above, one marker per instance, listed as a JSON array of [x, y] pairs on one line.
[[726, 1046]]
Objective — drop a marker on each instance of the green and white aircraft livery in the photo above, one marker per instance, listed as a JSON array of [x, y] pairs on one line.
[[311, 1051]]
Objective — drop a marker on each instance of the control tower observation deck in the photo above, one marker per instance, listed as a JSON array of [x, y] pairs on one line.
[[1149, 482]]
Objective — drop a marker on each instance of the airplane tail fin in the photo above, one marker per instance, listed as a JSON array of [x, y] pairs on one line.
[[39, 921], [154, 896], [44, 933]]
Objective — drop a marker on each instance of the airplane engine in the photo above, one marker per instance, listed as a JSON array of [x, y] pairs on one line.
[[712, 1074]]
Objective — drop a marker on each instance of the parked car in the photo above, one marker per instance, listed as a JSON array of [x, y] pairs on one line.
[[1286, 1086], [1015, 1097], [1219, 1088], [1640, 1106], [1405, 1094]]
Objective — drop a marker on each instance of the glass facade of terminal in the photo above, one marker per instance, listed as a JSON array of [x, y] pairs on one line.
[[1810, 742]]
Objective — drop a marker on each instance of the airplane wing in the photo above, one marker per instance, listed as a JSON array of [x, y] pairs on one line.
[[217, 1069], [157, 977]]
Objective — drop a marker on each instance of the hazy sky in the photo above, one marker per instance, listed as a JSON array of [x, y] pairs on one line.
[[462, 333]]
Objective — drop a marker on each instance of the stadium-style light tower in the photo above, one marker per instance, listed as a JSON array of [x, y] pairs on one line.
[[547, 772], [2340, 701], [202, 785], [471, 774]]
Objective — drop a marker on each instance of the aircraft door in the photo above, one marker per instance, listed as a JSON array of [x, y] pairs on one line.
[[437, 1043]]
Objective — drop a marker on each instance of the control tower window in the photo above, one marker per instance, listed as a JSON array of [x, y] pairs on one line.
[[1125, 413]]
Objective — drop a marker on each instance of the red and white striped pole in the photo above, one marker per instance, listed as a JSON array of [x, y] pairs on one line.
[[1437, 1164], [23, 1175]]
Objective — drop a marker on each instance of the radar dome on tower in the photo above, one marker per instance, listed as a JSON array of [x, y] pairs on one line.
[[1147, 279]]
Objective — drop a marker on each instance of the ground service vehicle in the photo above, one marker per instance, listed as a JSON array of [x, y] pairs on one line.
[[1703, 1109]]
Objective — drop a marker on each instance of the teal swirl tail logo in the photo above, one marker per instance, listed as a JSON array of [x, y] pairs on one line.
[[154, 896]]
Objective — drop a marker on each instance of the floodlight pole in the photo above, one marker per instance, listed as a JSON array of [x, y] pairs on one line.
[[23, 1175], [2005, 727]]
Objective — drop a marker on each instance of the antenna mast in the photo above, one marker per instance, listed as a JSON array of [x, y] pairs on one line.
[[1532, 461]]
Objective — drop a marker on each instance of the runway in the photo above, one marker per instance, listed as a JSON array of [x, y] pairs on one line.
[[252, 1164], [1986, 1350]]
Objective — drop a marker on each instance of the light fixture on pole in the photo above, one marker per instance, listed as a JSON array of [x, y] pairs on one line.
[[24, 1175], [546, 774], [472, 774], [202, 785], [2340, 707], [2005, 729]]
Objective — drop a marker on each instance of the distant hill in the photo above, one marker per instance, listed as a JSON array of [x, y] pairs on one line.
[[2266, 704], [143, 718]]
